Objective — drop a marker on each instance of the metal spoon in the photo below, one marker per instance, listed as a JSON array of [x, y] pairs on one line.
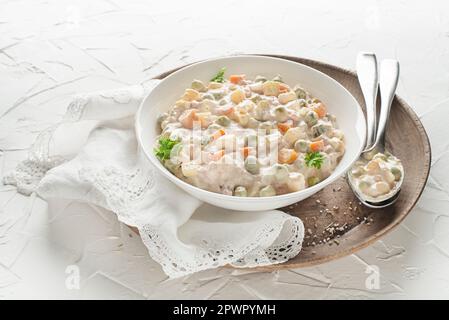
[[367, 75], [389, 75]]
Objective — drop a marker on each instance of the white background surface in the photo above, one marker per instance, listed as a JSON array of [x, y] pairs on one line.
[[50, 50]]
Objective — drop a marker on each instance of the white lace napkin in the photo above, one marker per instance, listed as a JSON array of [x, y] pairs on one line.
[[93, 156]]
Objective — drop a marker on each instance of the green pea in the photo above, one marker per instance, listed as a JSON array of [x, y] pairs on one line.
[[267, 191], [256, 98], [208, 96], [214, 127], [300, 92], [363, 185], [397, 173], [281, 114], [198, 85], [312, 181], [252, 165], [278, 78], [319, 129], [311, 118], [260, 79], [205, 139], [240, 191], [161, 117], [223, 121], [218, 94], [301, 146]]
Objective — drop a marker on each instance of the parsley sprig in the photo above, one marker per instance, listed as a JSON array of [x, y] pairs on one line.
[[219, 77], [314, 159], [165, 147]]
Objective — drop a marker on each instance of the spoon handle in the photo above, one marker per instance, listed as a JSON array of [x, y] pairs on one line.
[[367, 75], [389, 76]]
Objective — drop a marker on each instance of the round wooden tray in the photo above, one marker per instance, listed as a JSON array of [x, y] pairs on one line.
[[336, 224]]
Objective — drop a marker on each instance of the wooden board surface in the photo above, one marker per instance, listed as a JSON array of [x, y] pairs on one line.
[[336, 224]]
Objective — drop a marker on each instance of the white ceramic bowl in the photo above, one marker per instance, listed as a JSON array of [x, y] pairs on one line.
[[338, 100]]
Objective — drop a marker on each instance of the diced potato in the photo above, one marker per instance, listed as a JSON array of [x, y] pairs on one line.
[[293, 134], [381, 187], [189, 169], [388, 176], [294, 105], [191, 94], [336, 143], [215, 85], [271, 88], [287, 156], [372, 167], [267, 191], [338, 134], [248, 105], [256, 87], [182, 104], [237, 96], [296, 182], [252, 123], [286, 97], [164, 124], [242, 117], [280, 173], [207, 106]]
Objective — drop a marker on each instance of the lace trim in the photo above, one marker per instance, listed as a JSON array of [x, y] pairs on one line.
[[131, 186], [212, 255]]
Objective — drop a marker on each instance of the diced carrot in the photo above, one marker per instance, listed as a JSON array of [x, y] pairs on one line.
[[284, 126], [320, 109], [236, 78], [217, 134], [317, 145], [283, 88], [287, 156], [187, 118], [217, 155], [246, 151]]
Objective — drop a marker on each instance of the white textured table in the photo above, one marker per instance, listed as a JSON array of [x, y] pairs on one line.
[[50, 50]]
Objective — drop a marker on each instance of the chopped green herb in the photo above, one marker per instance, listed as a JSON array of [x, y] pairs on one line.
[[219, 77], [314, 159], [165, 147]]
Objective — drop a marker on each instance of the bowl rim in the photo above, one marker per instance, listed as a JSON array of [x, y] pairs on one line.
[[176, 180]]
